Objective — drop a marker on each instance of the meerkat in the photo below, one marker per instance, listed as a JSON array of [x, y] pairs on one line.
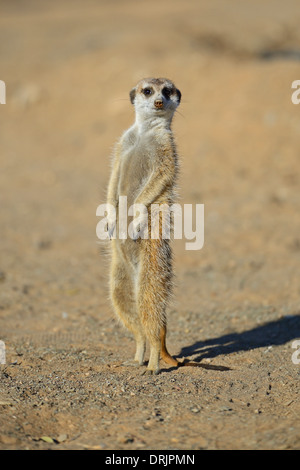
[[145, 170]]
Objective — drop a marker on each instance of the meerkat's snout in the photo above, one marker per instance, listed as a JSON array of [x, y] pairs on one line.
[[158, 104]]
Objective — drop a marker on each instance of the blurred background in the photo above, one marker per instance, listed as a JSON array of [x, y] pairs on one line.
[[68, 68]]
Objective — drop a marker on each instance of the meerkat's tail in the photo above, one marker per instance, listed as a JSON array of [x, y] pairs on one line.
[[164, 352], [168, 359]]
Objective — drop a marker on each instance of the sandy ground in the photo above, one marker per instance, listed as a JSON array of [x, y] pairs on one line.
[[68, 68]]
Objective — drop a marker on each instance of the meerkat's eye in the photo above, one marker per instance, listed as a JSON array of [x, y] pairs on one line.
[[147, 91], [167, 92]]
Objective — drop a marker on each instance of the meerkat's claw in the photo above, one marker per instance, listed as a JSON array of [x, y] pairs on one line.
[[135, 237], [137, 233]]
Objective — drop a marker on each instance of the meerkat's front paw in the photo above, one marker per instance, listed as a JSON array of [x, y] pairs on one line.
[[136, 232], [139, 230]]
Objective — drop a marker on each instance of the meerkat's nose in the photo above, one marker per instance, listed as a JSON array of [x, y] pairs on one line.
[[158, 103]]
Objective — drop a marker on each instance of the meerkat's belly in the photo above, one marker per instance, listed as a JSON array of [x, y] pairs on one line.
[[136, 169]]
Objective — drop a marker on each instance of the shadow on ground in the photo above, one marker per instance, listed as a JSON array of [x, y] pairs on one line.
[[273, 333]]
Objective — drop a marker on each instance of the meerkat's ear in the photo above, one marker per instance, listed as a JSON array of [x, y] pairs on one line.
[[178, 95], [132, 95]]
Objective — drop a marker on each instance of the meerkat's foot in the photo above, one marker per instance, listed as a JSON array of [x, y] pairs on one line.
[[133, 363], [151, 372]]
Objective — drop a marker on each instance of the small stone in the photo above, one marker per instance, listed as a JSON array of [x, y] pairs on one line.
[[61, 438], [195, 410]]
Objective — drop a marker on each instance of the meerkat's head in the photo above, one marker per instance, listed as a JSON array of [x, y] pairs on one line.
[[155, 98]]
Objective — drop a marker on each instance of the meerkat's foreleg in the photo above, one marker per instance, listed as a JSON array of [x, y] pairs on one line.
[[158, 182], [112, 193], [124, 301]]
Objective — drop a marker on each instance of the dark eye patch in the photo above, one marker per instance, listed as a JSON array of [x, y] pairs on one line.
[[167, 92]]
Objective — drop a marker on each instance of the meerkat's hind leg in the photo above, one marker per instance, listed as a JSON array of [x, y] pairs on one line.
[[124, 302], [140, 340], [159, 349], [155, 286], [151, 327], [153, 364]]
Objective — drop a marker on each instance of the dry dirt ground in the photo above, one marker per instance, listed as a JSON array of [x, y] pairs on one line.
[[68, 68]]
